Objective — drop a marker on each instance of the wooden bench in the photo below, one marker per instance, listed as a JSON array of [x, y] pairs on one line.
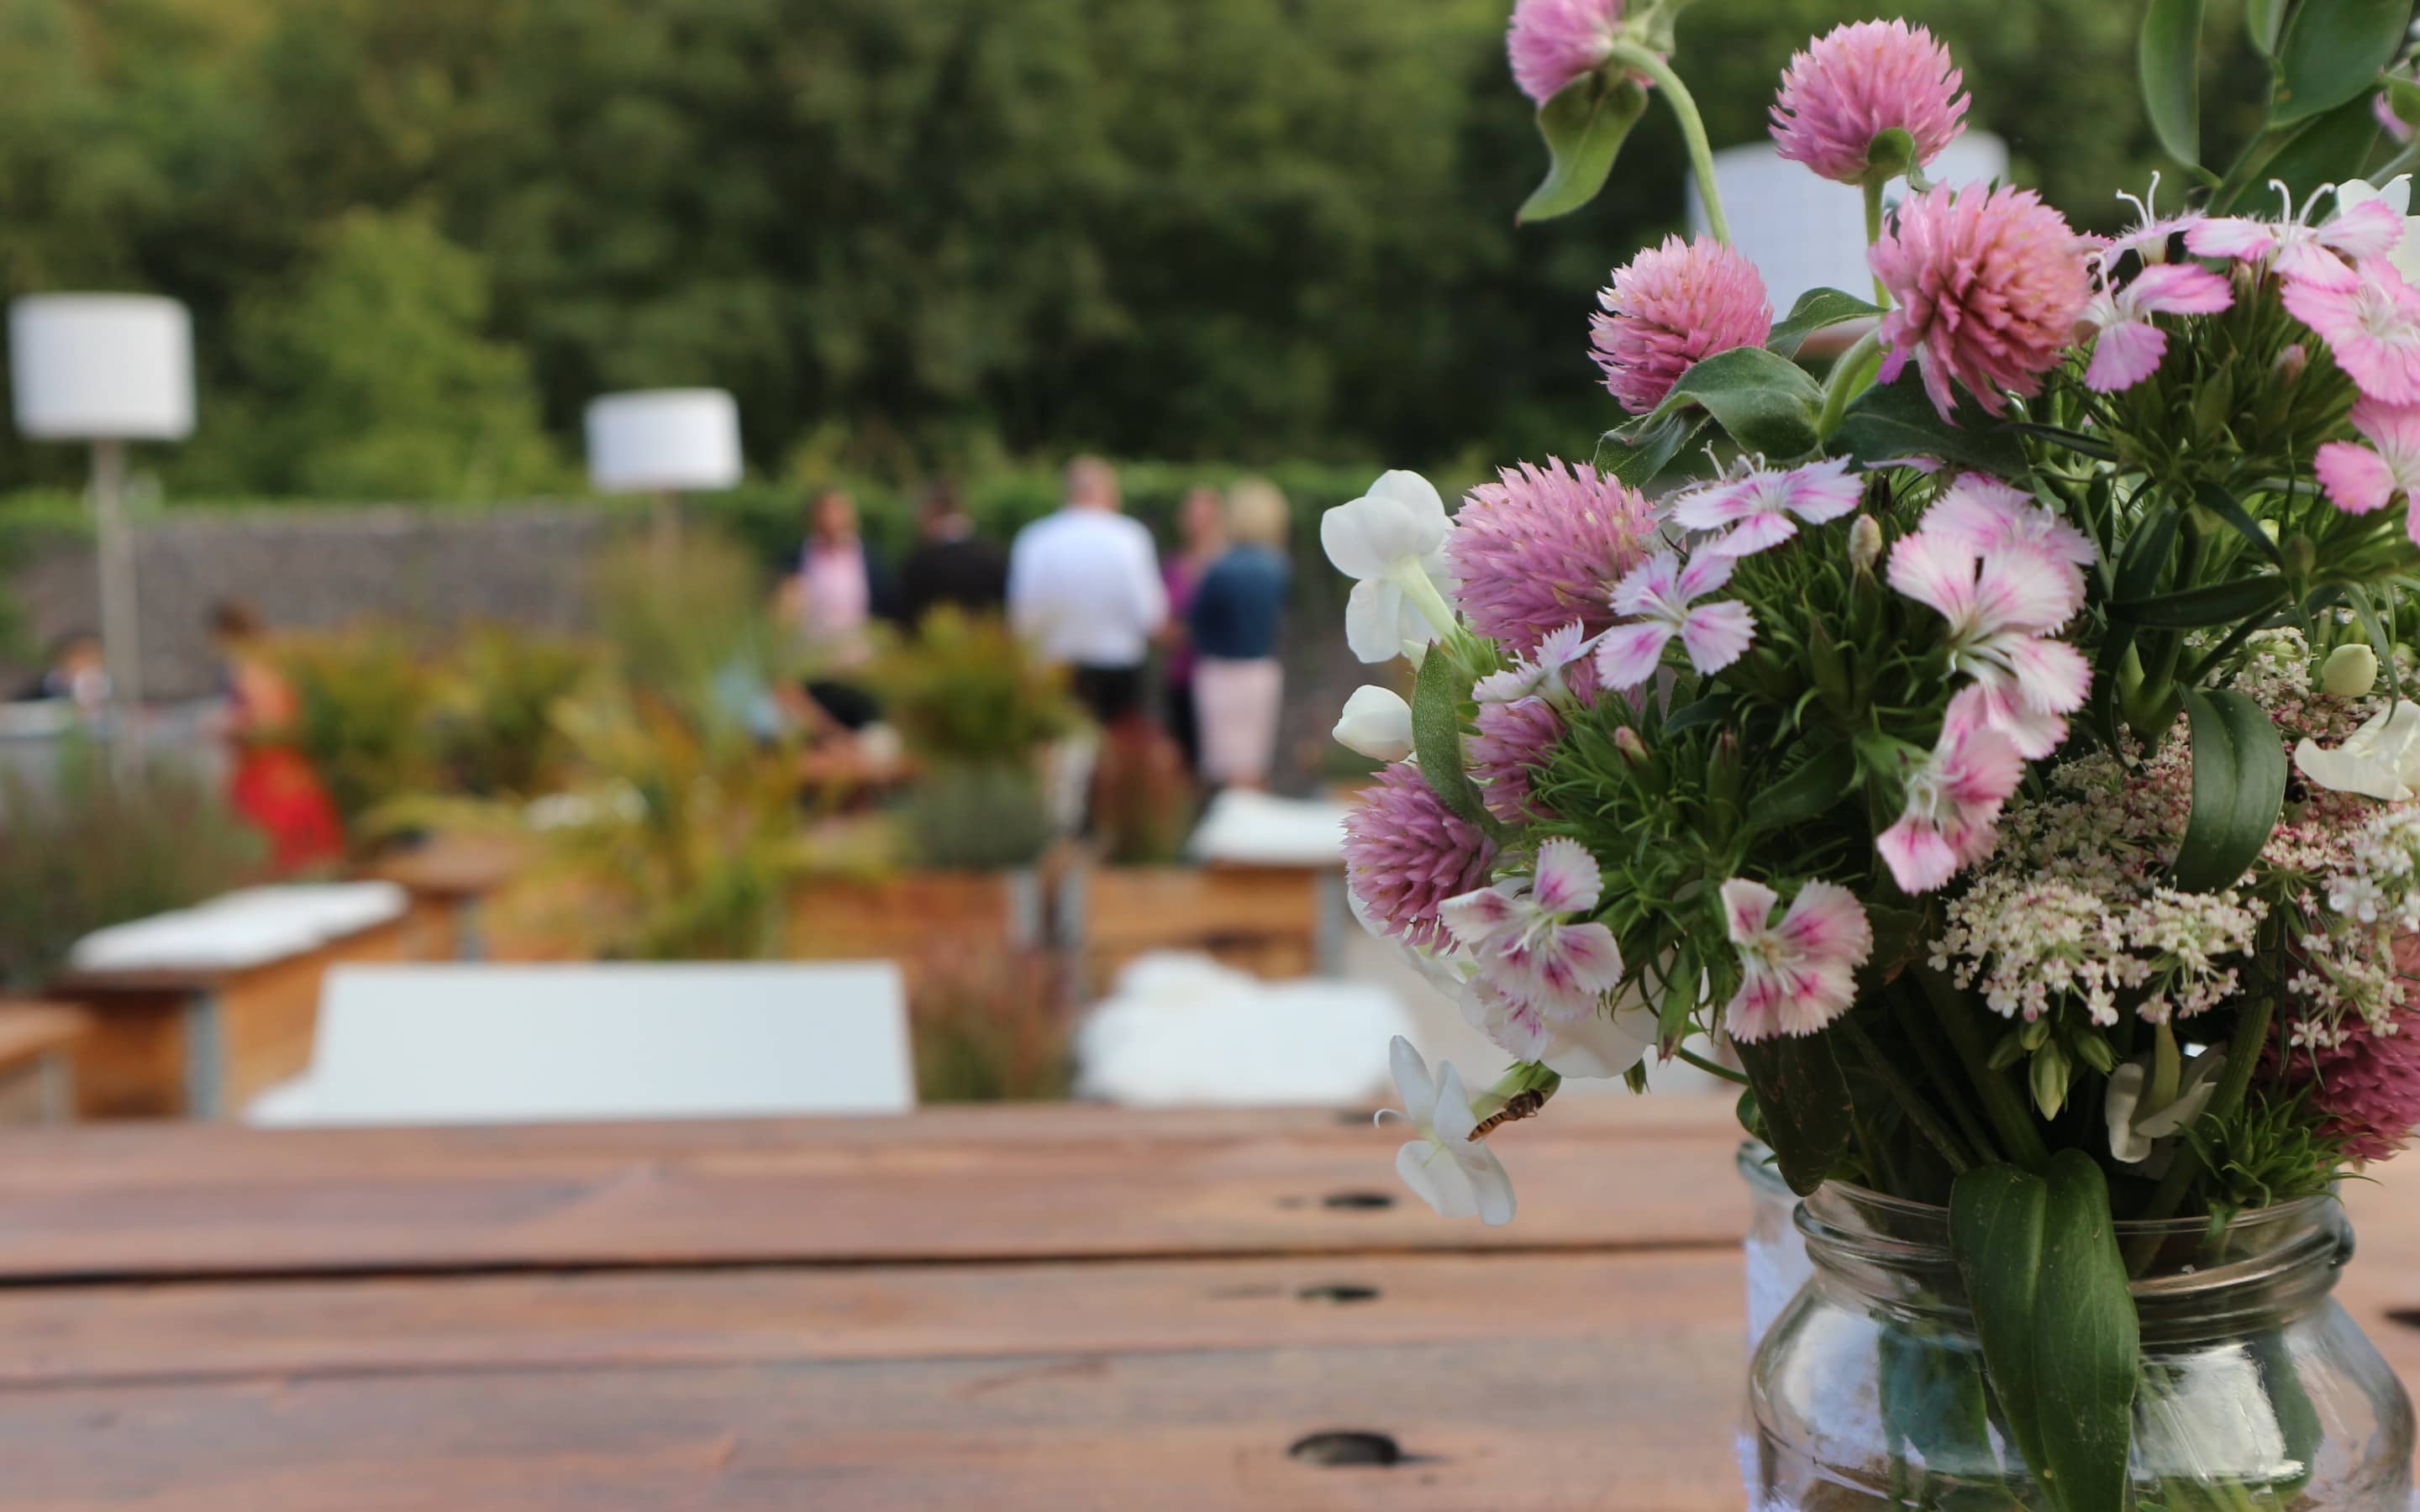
[[201, 1040], [37, 1048]]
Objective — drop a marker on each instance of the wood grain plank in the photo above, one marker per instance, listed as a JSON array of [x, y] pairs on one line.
[[1010, 1184], [119, 1332], [1640, 1418]]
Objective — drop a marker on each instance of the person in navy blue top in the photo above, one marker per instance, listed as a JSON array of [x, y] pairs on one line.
[[1239, 614]]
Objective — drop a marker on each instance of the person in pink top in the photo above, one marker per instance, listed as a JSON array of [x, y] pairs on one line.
[[838, 592], [1201, 524]]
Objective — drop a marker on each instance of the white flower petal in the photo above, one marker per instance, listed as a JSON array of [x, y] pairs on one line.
[[1376, 723], [1373, 620], [1492, 1185], [1417, 495], [2125, 1093], [1431, 1172], [1412, 1081], [1600, 1046], [1452, 1120]]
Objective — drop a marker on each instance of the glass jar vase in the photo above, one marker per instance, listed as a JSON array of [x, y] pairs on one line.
[[2258, 1390]]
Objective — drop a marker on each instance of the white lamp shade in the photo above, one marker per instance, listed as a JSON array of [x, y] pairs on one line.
[[1805, 232], [660, 440], [102, 368]]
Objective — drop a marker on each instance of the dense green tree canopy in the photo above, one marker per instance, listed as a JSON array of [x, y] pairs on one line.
[[906, 233]]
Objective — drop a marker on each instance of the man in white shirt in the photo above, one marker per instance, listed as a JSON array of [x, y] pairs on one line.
[[1084, 588]]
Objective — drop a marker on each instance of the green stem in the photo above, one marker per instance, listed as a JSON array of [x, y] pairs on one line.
[[1413, 581], [1693, 127], [1874, 234], [2242, 1059], [1911, 1102], [1712, 1068], [1920, 1034], [2007, 1110], [1841, 384]]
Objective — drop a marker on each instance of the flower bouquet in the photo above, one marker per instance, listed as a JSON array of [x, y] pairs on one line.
[[2008, 752]]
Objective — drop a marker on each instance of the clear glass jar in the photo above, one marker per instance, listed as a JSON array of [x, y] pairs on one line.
[[2260, 1391], [1775, 1251]]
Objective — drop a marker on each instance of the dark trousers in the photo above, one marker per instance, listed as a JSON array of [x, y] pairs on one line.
[[1111, 694]]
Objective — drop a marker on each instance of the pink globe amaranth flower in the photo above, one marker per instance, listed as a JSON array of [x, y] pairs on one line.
[[1512, 738], [2367, 1091], [1987, 286], [1671, 308], [1405, 853], [1858, 81], [2372, 329], [1552, 42], [1799, 975], [2361, 479], [1542, 547]]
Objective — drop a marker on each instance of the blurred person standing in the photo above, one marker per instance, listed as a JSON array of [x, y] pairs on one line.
[[1238, 610], [272, 785], [951, 564], [1202, 529], [835, 596], [75, 672], [1084, 587]]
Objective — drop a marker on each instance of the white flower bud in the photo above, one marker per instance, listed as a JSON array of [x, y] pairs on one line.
[[1376, 723], [2350, 672], [1865, 543]]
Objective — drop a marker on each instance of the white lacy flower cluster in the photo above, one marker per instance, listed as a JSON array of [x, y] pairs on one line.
[[2347, 972], [2073, 908]]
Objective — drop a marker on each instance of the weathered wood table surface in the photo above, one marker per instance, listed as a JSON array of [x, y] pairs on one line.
[[1060, 1308]]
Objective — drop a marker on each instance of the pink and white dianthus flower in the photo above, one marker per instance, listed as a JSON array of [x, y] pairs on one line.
[[1661, 595], [2372, 329], [1536, 549], [1858, 81], [1521, 936], [1756, 503], [1671, 307], [1405, 853], [2360, 479], [2130, 346], [1542, 673], [1552, 42], [1952, 812], [2152, 232], [1987, 286], [1799, 975], [2002, 606], [1982, 515], [2328, 255]]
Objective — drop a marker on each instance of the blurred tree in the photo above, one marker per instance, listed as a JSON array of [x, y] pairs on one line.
[[368, 379], [906, 233]]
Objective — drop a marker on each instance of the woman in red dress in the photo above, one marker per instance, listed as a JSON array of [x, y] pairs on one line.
[[274, 786]]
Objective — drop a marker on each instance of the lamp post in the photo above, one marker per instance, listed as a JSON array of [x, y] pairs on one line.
[[662, 441], [107, 369]]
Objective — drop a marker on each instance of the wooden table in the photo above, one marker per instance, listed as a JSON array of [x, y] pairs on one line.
[[1060, 1308]]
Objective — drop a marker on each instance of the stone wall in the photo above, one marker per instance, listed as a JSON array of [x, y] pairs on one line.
[[525, 564]]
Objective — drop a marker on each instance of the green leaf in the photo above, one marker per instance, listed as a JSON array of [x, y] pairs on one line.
[[1897, 419], [1437, 734], [1636, 453], [2086, 1341], [2169, 59], [1765, 401], [2195, 608], [2333, 51], [2227, 507], [1804, 1101], [1708, 710], [2239, 786], [1816, 310], [2315, 152], [1815, 787], [2262, 21], [1997, 1218], [1584, 125]]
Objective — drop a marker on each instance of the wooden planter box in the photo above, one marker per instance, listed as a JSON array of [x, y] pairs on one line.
[[200, 1042], [1277, 922], [905, 918], [38, 1045], [451, 878]]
